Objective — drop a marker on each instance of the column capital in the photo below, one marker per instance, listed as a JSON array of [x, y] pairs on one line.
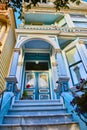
[[20, 63], [81, 41], [58, 51], [11, 79], [54, 64], [17, 50], [63, 78]]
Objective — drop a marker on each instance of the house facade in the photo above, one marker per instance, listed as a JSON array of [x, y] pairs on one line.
[[48, 59], [50, 51]]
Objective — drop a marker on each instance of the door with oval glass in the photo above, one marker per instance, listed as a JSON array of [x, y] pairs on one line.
[[37, 85]]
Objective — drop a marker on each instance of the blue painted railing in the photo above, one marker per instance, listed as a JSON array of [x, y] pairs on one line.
[[67, 97], [5, 104]]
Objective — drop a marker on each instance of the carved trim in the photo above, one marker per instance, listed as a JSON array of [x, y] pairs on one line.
[[11, 79], [63, 78], [81, 42], [58, 51], [17, 50], [20, 63], [54, 63]]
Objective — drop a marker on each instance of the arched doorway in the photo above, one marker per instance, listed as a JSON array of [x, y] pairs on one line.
[[37, 74]]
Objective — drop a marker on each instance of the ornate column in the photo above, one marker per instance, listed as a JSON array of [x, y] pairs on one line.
[[54, 75], [19, 74], [62, 74], [11, 79]]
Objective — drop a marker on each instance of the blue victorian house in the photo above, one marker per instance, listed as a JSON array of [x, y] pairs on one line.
[[49, 60]]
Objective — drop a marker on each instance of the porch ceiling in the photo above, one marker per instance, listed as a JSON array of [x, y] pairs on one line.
[[44, 18], [37, 44], [63, 42]]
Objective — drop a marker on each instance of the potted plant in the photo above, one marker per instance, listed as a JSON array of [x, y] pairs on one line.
[[25, 94]]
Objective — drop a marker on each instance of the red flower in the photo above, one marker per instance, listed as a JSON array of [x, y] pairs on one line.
[[28, 86]]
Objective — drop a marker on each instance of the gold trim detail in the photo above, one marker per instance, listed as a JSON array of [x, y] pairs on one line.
[[17, 50], [58, 51], [81, 42], [20, 63], [0, 43], [54, 63]]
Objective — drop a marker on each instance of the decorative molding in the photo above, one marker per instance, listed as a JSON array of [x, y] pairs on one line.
[[54, 63], [81, 41], [20, 63], [17, 50], [11, 79], [58, 51], [63, 78]]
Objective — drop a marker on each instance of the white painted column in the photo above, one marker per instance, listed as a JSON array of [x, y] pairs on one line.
[[60, 63], [62, 74], [19, 73], [54, 75]]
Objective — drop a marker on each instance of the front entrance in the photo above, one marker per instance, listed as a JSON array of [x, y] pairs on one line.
[[37, 85]]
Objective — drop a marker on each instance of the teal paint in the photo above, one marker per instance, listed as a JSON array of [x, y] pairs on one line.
[[37, 56]]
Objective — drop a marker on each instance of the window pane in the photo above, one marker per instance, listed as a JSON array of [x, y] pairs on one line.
[[78, 17], [72, 56], [80, 24], [78, 72]]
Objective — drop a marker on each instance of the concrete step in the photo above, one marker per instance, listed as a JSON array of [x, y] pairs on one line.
[[36, 111], [48, 126], [43, 107], [37, 104], [37, 101], [53, 118]]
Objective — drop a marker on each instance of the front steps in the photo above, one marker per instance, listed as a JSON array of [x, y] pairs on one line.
[[38, 115]]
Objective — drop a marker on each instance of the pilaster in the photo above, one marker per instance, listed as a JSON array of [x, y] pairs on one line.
[[62, 74], [11, 79]]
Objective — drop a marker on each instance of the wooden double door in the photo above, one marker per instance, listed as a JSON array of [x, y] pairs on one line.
[[38, 85]]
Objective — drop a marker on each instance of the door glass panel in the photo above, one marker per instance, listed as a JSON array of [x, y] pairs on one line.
[[43, 80], [30, 80], [30, 85]]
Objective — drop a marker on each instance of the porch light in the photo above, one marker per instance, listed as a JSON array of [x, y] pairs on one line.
[[37, 62]]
